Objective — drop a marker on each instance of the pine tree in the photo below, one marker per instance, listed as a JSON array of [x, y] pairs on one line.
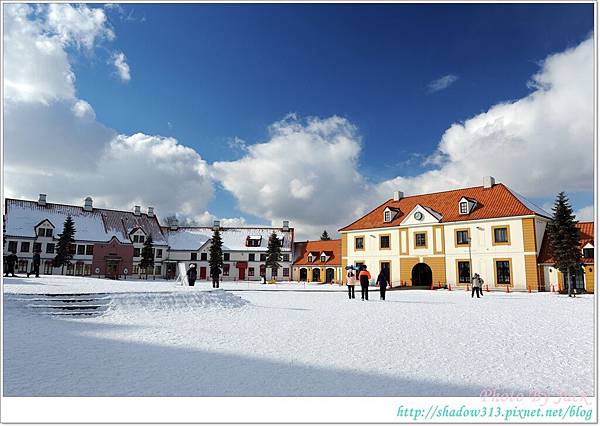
[[325, 236], [216, 250], [563, 236], [147, 255], [273, 252], [66, 239]]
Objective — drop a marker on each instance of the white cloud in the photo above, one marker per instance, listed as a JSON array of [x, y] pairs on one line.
[[82, 109], [585, 214], [442, 83], [539, 145], [120, 62], [305, 172]]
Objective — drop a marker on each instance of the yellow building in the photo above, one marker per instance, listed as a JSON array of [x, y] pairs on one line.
[[443, 238], [317, 261]]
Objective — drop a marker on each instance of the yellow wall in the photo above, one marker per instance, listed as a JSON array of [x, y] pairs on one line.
[[438, 268], [344, 255], [529, 243], [406, 266], [589, 278], [531, 272]]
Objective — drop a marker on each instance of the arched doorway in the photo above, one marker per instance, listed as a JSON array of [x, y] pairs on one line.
[[303, 274], [316, 275], [329, 275], [421, 275]]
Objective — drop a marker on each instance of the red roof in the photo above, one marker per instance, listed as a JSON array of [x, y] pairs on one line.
[[586, 231], [333, 248], [494, 202]]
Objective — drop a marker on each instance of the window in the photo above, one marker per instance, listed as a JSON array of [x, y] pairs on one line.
[[70, 269], [79, 268], [463, 207], [158, 253], [50, 248], [226, 269], [25, 247], [226, 256], [421, 239], [49, 232], [48, 267], [253, 241], [359, 243], [502, 272], [387, 216], [89, 249], [588, 253], [87, 269], [273, 272], [203, 256], [311, 258], [41, 232], [12, 246], [251, 258], [464, 272], [500, 234], [72, 248], [141, 238], [157, 270], [263, 257], [193, 256], [37, 247], [286, 272], [462, 237], [136, 252], [136, 239], [80, 249], [285, 258], [250, 272], [323, 258], [384, 241], [262, 270], [22, 266]]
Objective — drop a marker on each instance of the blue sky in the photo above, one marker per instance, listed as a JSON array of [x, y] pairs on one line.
[[205, 74]]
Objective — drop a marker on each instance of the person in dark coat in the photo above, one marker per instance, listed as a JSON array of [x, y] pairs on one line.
[[35, 265], [11, 261], [215, 272], [192, 274], [364, 277], [382, 282]]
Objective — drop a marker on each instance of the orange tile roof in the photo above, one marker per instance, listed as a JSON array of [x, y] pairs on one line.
[[497, 201], [332, 247], [586, 231]]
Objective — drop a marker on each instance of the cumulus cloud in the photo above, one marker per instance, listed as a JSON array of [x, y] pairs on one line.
[[442, 83], [306, 172], [120, 62], [539, 145], [585, 214]]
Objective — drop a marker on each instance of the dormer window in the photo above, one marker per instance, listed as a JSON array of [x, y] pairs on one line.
[[253, 241], [311, 258], [45, 229], [466, 205], [389, 214], [323, 258]]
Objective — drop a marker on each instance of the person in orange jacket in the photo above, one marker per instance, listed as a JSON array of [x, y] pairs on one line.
[[364, 277]]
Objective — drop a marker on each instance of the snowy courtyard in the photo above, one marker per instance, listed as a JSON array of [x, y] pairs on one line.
[[152, 338]]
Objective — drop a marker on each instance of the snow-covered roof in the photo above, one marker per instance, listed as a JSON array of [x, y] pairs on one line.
[[22, 216], [234, 239]]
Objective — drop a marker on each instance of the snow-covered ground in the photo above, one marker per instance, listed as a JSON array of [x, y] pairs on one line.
[[161, 340]]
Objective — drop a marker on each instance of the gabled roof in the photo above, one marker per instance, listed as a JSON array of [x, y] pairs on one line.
[[495, 202], [586, 235], [22, 216], [191, 238], [332, 247]]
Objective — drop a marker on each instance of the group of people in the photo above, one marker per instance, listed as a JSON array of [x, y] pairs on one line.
[[12, 259], [363, 276], [192, 275]]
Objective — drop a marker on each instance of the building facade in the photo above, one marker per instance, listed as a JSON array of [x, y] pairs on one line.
[[583, 279], [108, 243], [443, 238], [318, 261]]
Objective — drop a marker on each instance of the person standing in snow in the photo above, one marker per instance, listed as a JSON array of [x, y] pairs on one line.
[[192, 274], [477, 284], [35, 265], [382, 282], [215, 272], [364, 277], [351, 283], [11, 261]]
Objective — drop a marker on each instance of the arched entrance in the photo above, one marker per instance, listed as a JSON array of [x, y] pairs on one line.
[[421, 275], [303, 274], [329, 275], [316, 275]]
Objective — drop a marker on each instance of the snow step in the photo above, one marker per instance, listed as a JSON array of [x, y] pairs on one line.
[[69, 307], [73, 313]]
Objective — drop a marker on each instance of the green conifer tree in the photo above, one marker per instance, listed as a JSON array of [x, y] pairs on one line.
[[147, 261], [64, 247], [325, 236], [273, 253], [216, 250]]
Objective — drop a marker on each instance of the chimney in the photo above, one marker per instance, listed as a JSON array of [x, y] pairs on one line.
[[150, 211], [42, 200], [136, 210], [87, 206], [398, 195], [216, 224], [174, 225], [286, 225], [488, 181]]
